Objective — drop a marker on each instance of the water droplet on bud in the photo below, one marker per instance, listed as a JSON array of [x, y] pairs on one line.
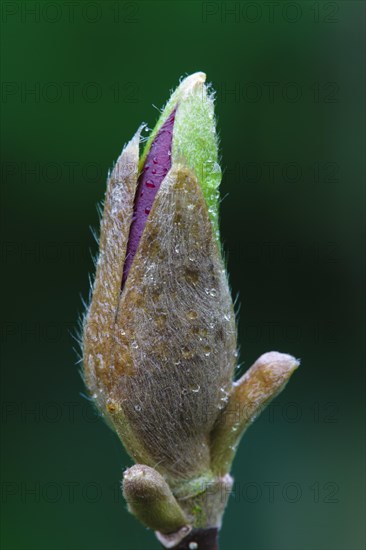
[[192, 314], [186, 353], [207, 351]]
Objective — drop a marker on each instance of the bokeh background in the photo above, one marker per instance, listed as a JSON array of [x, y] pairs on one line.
[[77, 80]]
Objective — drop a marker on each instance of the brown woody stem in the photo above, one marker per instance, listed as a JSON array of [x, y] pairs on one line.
[[200, 539]]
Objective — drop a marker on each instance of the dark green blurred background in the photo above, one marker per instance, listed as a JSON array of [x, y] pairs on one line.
[[78, 79]]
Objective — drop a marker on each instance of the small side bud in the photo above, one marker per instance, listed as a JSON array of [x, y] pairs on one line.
[[249, 396], [150, 499]]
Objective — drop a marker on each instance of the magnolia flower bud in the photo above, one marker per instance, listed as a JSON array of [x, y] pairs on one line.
[[159, 342]]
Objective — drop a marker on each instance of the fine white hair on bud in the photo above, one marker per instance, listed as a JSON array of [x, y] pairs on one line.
[[178, 333], [159, 336]]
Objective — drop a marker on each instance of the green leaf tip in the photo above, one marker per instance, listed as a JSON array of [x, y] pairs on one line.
[[195, 140]]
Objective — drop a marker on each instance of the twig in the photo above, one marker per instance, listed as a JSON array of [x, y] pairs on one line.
[[200, 539]]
